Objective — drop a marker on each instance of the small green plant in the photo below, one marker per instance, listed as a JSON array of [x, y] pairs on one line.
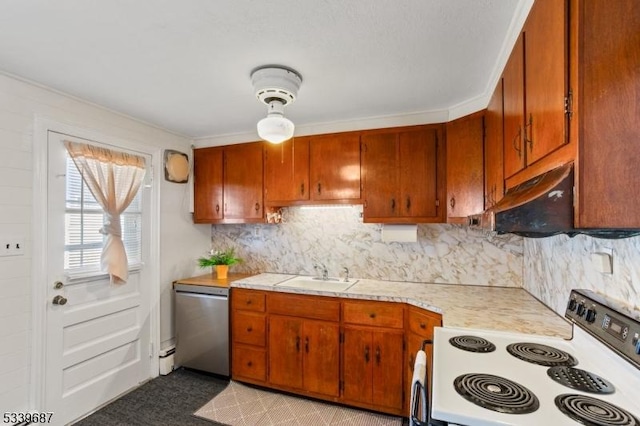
[[224, 257]]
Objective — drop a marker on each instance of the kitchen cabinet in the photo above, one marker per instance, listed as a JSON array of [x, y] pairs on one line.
[[372, 355], [334, 169], [343, 350], [606, 84], [304, 344], [535, 91], [465, 167], [248, 336], [286, 171], [228, 184], [493, 148], [403, 175], [208, 181], [420, 324]]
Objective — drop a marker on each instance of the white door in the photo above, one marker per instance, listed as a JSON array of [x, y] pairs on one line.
[[98, 341]]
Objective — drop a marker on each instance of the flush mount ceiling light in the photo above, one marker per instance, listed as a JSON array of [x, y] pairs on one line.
[[276, 87]]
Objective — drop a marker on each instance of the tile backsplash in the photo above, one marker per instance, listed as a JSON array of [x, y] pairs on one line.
[[555, 265], [337, 237]]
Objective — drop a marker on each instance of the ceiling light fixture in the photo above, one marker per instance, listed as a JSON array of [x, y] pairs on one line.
[[276, 87]]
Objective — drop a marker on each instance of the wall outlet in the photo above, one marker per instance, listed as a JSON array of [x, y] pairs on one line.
[[12, 246]]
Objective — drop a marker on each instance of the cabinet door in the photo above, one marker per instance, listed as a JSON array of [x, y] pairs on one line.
[[321, 361], [465, 177], [286, 174], [514, 131], [387, 368], [357, 362], [419, 173], [243, 182], [493, 149], [335, 167], [380, 160], [545, 50], [285, 351], [610, 106], [207, 185]]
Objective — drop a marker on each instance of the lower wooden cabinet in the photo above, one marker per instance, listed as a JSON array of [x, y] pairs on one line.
[[304, 354], [355, 352], [372, 363]]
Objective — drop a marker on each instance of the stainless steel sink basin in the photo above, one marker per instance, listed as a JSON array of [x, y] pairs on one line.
[[310, 283]]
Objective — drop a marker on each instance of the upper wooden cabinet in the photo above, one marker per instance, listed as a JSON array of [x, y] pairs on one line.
[[334, 169], [403, 175], [313, 170], [465, 177], [208, 181], [493, 148], [237, 197], [606, 80], [535, 90], [286, 171]]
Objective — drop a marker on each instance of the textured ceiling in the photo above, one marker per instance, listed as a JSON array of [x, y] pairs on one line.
[[185, 65]]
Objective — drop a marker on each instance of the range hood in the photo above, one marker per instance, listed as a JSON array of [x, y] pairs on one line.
[[541, 207]]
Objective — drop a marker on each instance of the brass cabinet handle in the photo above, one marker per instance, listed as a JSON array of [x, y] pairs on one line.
[[408, 203], [393, 204], [306, 344], [257, 206], [378, 355], [452, 202], [302, 188], [217, 208], [366, 354], [518, 137], [529, 140], [319, 188], [297, 343]]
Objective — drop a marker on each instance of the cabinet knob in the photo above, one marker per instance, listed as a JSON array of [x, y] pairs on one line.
[[372, 315], [423, 325], [249, 329], [249, 302], [249, 364]]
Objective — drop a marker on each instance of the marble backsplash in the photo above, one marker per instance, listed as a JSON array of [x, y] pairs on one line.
[[555, 265], [337, 237]]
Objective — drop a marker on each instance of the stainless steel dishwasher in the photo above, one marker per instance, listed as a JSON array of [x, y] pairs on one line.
[[202, 328]]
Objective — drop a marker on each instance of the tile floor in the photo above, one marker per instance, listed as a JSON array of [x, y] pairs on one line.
[[240, 405]]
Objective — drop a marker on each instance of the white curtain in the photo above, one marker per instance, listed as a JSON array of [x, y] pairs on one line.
[[114, 179]]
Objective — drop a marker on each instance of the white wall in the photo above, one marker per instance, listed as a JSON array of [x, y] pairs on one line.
[[180, 240], [555, 265]]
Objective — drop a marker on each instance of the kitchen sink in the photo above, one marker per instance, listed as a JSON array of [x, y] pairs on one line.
[[309, 283]]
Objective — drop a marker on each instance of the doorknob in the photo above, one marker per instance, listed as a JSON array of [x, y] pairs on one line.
[[58, 285], [59, 300]]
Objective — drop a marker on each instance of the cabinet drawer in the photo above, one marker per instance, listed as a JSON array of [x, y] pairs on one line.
[[247, 300], [379, 314], [249, 363], [422, 322], [313, 307], [249, 328]]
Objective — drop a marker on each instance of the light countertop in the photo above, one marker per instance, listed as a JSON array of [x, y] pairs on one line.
[[489, 308]]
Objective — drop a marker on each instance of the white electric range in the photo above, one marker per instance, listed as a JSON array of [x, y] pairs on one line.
[[483, 377]]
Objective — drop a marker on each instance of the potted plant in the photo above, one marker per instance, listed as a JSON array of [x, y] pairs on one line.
[[221, 260]]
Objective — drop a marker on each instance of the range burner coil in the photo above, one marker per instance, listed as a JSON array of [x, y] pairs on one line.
[[472, 344], [581, 380], [591, 411], [496, 393], [540, 354]]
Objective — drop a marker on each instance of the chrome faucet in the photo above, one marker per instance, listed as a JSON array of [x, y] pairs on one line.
[[346, 274], [323, 271]]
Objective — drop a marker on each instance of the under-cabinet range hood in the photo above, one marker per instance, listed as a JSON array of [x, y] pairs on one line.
[[541, 207]]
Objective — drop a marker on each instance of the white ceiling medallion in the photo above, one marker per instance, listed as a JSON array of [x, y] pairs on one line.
[[276, 87]]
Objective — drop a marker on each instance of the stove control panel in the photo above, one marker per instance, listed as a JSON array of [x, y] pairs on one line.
[[608, 321]]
